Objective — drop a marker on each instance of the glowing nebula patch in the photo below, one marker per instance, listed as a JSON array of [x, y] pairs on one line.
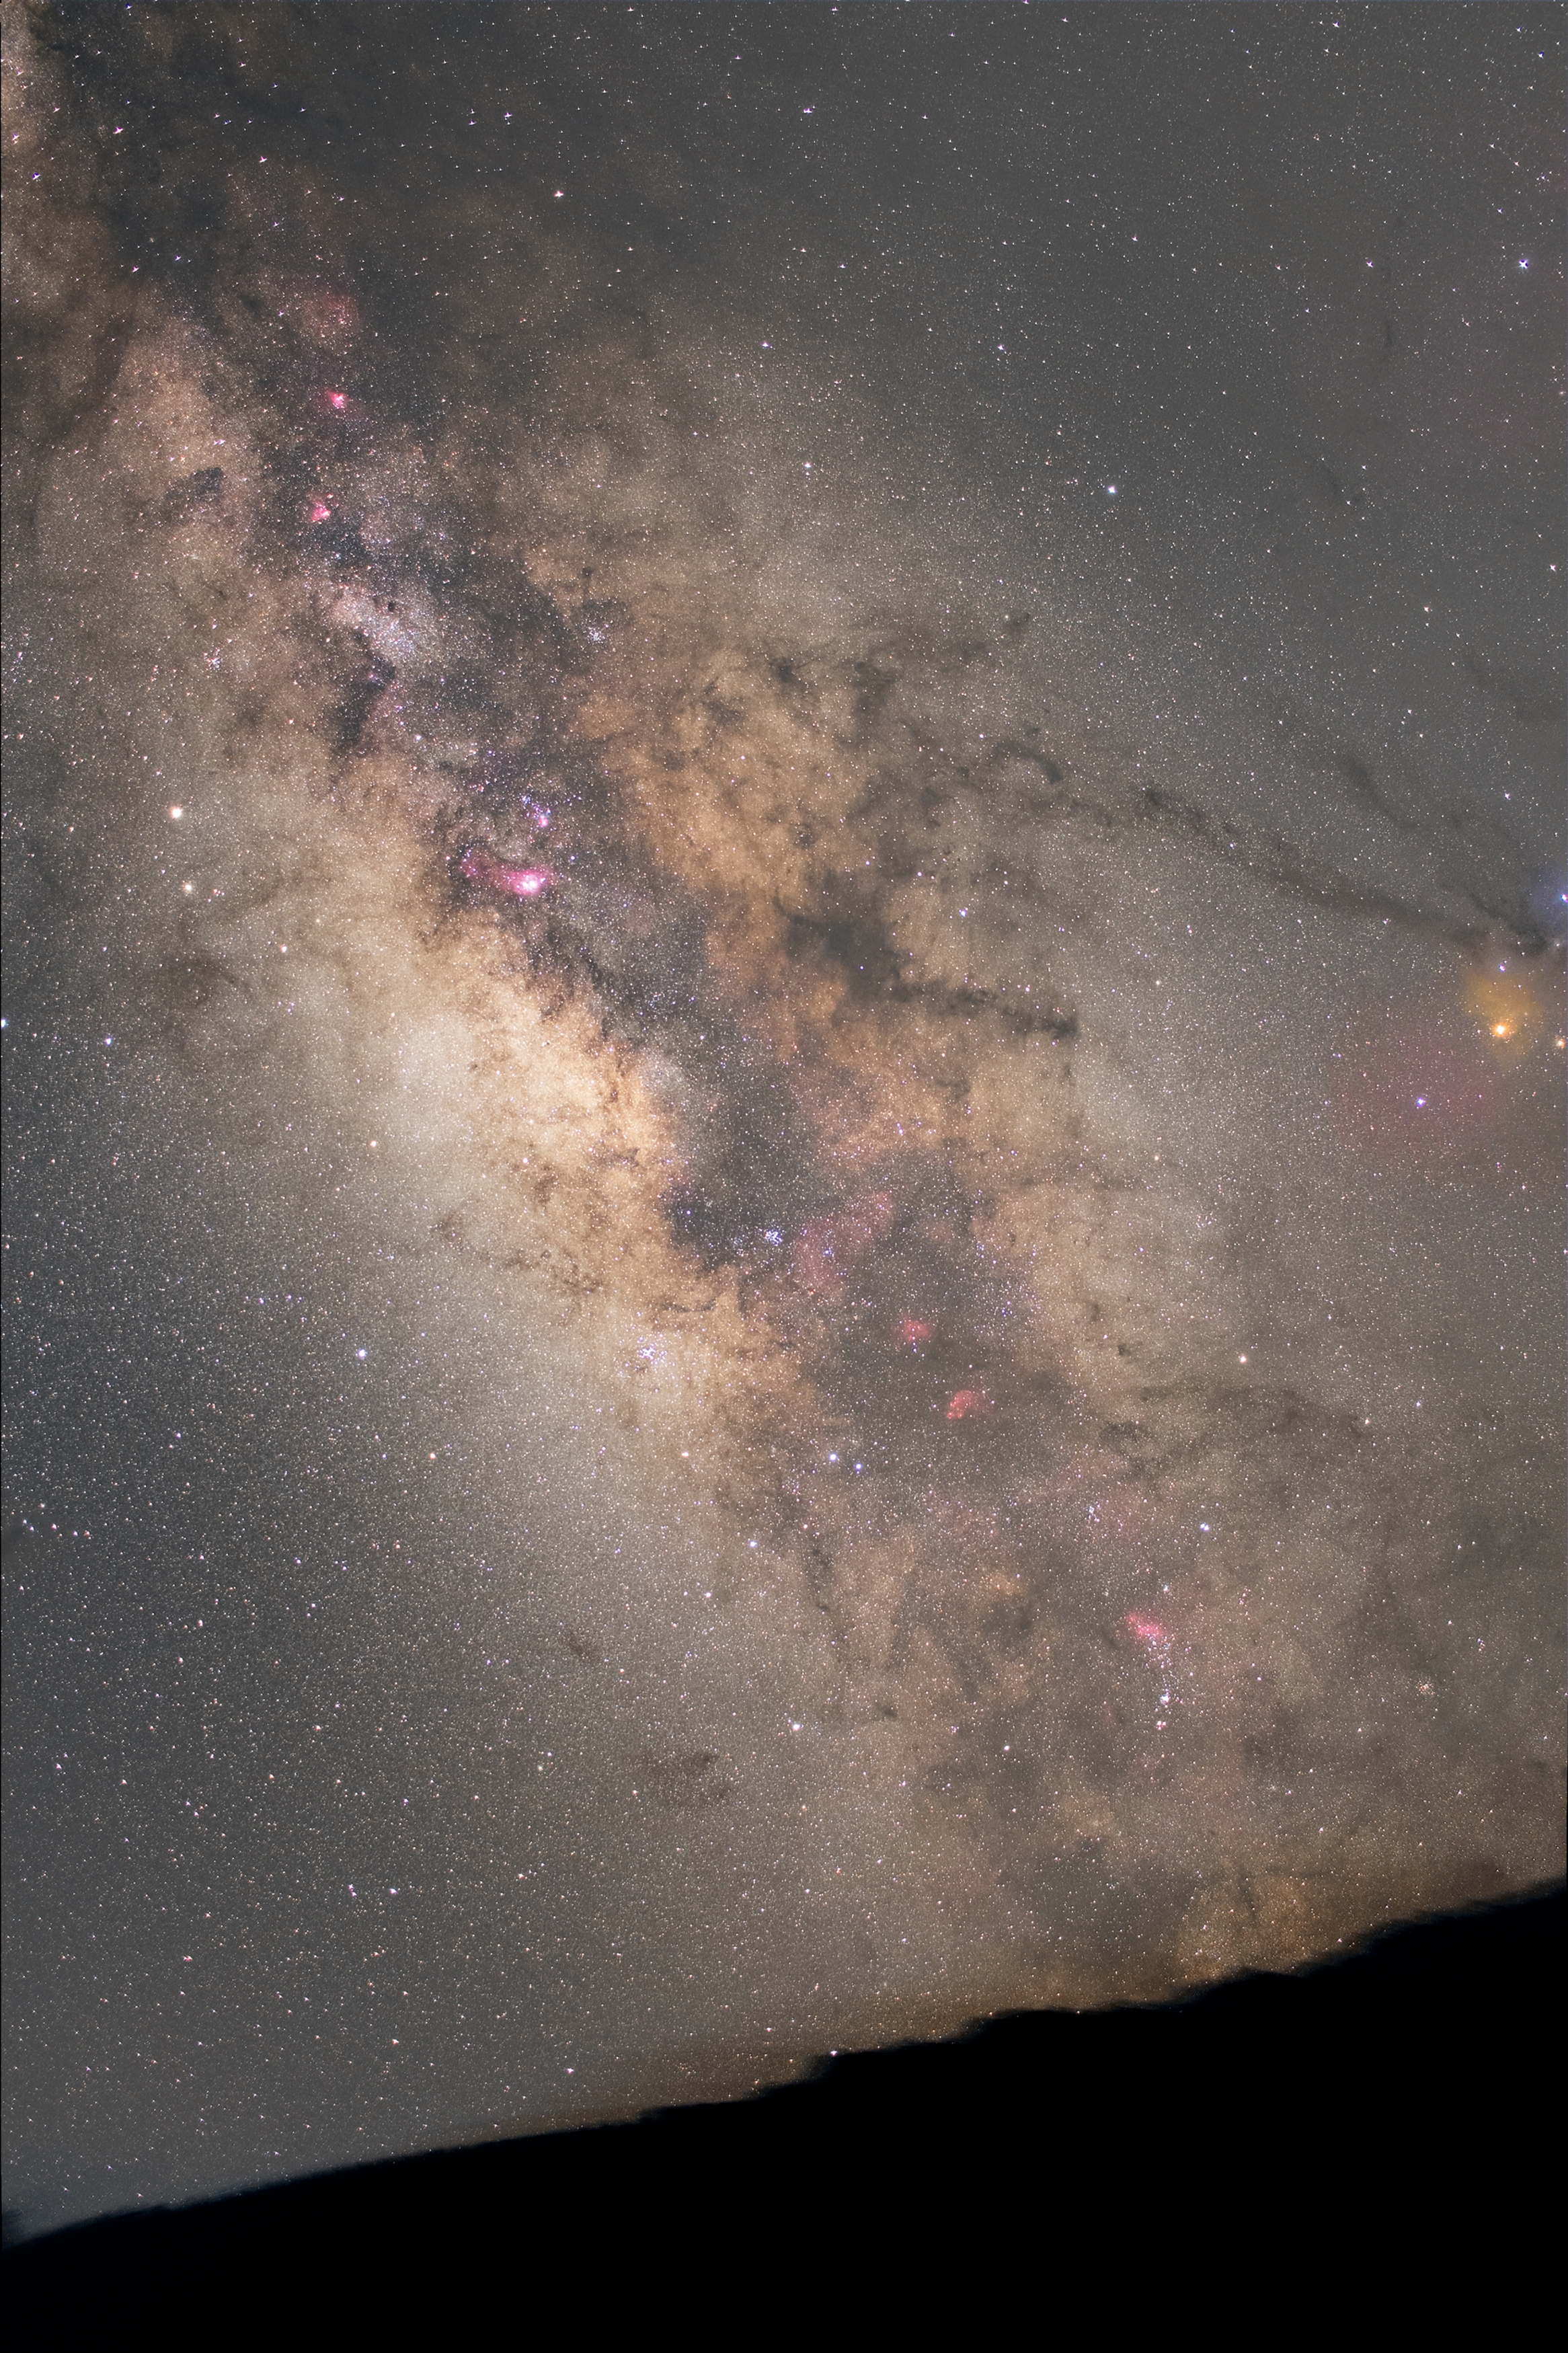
[[488, 873], [331, 400]]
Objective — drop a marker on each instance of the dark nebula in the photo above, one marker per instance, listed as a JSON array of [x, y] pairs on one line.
[[765, 1287]]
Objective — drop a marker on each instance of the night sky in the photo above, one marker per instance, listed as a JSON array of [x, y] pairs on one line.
[[784, 955]]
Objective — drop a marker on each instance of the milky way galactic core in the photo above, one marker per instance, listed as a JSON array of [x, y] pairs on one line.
[[785, 1038]]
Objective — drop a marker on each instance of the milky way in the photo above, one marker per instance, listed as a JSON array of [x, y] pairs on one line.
[[784, 916]]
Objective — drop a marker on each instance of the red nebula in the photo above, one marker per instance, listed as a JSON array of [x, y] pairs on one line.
[[912, 1333], [969, 1405], [1147, 1631], [478, 866], [319, 512], [327, 400]]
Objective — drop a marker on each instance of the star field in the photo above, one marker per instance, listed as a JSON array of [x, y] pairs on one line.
[[784, 940]]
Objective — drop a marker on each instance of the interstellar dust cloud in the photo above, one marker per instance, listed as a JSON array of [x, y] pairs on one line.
[[853, 1249]]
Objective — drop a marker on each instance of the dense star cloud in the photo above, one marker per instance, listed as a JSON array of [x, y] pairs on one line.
[[785, 1037]]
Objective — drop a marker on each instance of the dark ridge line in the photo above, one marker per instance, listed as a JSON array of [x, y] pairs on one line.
[[1414, 2044]]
